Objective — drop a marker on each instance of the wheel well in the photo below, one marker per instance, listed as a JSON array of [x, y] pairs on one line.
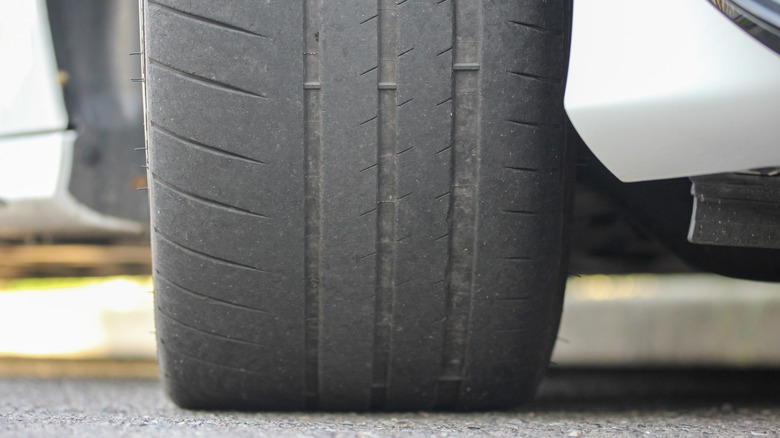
[[642, 227]]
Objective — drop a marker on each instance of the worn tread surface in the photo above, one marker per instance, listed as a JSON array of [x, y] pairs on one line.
[[356, 205]]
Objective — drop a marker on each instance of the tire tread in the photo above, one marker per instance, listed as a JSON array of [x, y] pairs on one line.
[[378, 255]]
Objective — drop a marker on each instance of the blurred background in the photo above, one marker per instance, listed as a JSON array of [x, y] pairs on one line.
[[75, 274], [634, 321]]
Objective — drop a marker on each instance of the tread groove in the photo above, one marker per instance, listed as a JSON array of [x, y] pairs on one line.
[[207, 362], [447, 50], [205, 201], [405, 102], [369, 19], [405, 52], [208, 82], [404, 238], [527, 212], [367, 212], [537, 27], [206, 332], [206, 297], [530, 169], [387, 176], [201, 19], [203, 146], [205, 255], [369, 70], [368, 168], [534, 124], [540, 78], [373, 253], [312, 107], [464, 146], [444, 149], [405, 150]]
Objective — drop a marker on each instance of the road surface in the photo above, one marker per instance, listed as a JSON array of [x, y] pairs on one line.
[[571, 403]]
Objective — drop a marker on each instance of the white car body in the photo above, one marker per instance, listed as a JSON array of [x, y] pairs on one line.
[[36, 148], [671, 88]]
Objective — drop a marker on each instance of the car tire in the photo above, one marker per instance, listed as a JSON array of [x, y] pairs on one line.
[[356, 205]]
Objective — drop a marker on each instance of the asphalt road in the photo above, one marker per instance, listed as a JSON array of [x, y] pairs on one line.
[[570, 403]]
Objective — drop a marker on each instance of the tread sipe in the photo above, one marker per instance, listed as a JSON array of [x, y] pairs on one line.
[[356, 204]]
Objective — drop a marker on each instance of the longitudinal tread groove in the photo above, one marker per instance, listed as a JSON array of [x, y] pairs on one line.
[[202, 146], [467, 19], [205, 255], [205, 81], [387, 175], [188, 291], [206, 332], [215, 23], [206, 201], [312, 104]]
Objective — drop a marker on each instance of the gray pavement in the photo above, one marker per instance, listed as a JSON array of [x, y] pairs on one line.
[[571, 403]]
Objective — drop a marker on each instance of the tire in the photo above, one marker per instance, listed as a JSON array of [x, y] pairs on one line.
[[379, 223]]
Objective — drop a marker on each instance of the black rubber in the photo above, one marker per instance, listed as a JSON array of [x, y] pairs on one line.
[[356, 204]]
